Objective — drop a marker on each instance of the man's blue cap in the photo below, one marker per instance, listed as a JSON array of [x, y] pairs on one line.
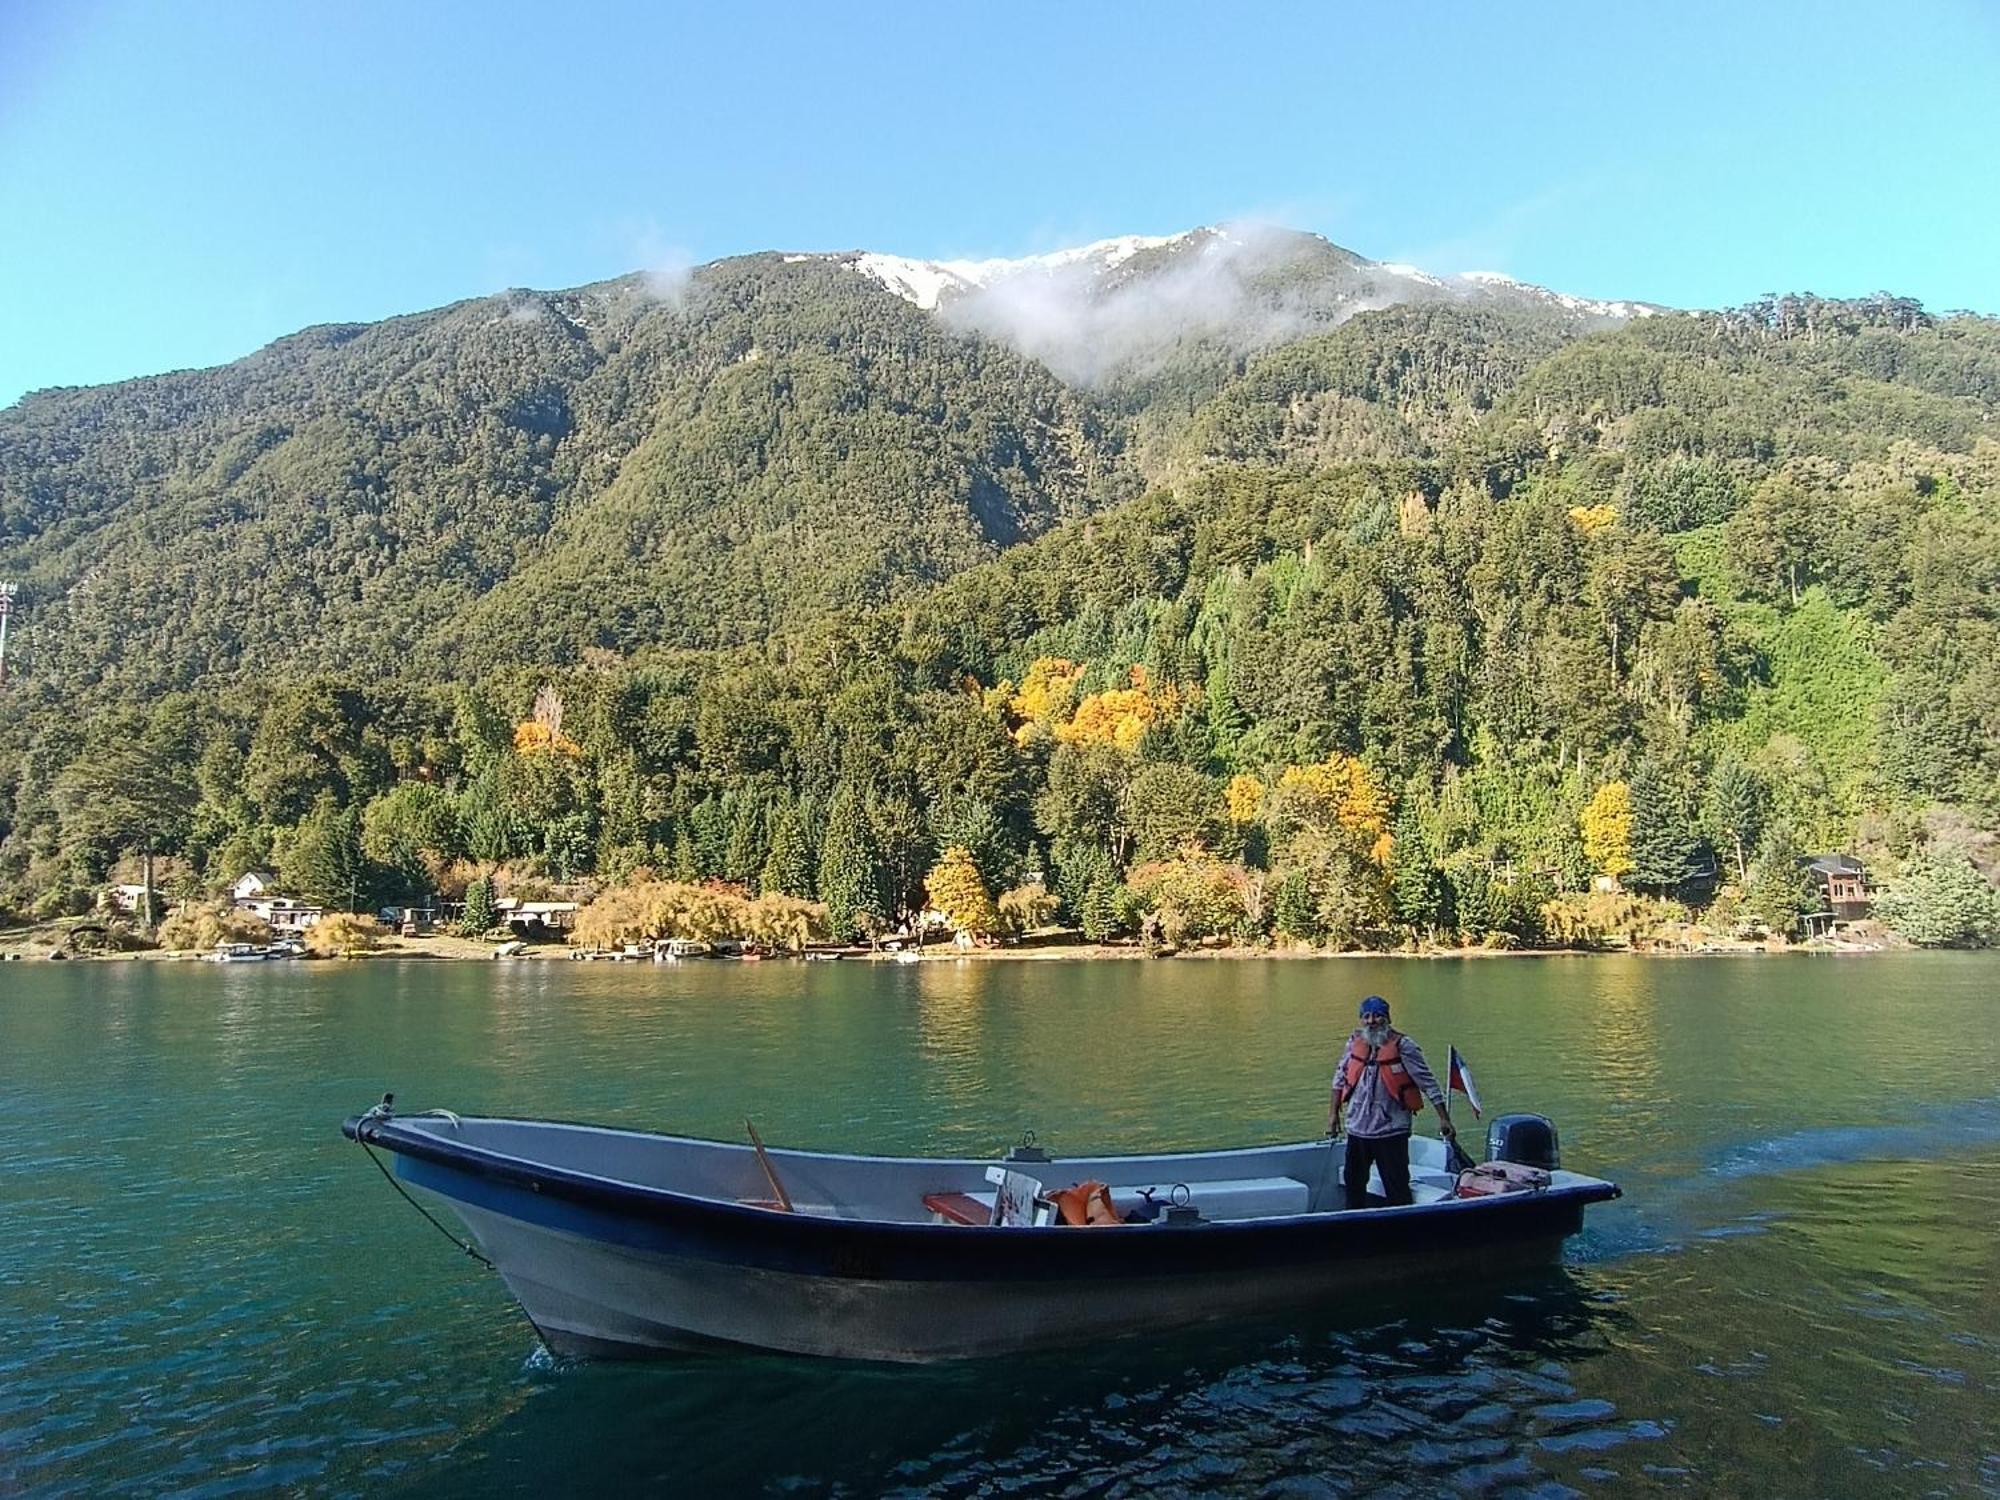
[[1374, 1005]]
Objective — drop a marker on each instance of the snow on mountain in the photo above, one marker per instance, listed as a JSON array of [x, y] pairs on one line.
[[1591, 307], [930, 284], [1127, 307], [1100, 255], [923, 282], [1410, 273]]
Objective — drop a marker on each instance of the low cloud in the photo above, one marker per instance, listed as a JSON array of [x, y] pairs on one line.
[[1243, 287], [668, 280]]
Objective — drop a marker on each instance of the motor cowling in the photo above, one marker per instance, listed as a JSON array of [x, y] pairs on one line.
[[1527, 1140]]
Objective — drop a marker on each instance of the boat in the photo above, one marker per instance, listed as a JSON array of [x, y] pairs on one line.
[[238, 953], [622, 1243]]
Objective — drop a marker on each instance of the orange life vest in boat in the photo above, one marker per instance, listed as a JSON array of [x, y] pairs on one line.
[[1389, 1059], [1087, 1203]]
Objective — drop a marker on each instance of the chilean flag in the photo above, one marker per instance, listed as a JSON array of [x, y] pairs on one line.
[[1461, 1079]]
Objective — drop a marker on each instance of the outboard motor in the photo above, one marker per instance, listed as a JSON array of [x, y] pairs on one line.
[[1527, 1140]]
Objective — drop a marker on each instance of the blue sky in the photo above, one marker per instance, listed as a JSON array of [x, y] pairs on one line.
[[180, 184]]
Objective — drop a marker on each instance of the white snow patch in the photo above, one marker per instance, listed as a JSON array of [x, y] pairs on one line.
[[1040, 289], [918, 281], [1589, 306], [1408, 273], [1105, 254], [926, 282]]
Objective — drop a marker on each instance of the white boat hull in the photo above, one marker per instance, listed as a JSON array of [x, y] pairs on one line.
[[629, 1243]]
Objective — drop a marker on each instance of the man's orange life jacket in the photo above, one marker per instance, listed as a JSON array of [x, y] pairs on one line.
[[1389, 1058]]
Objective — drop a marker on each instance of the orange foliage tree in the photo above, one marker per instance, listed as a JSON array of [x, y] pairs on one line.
[[1338, 796], [1120, 716]]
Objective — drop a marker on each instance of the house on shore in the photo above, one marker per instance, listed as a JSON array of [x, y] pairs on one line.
[[1842, 883], [536, 918], [252, 884], [256, 892], [129, 898], [287, 917]]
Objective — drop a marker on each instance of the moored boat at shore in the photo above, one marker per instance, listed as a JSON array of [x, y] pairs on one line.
[[622, 1242]]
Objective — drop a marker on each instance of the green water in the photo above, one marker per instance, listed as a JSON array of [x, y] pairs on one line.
[[205, 1290]]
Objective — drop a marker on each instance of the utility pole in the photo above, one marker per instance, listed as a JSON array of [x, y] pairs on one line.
[[7, 588]]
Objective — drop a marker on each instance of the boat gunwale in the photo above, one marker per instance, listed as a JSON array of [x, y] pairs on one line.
[[620, 1195]]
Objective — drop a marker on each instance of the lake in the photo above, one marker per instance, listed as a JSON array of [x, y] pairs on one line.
[[204, 1289]]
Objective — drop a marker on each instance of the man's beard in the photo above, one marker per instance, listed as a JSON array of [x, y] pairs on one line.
[[1375, 1033]]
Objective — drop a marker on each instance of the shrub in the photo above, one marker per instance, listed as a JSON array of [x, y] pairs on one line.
[[1601, 917], [342, 933], [1026, 908], [1194, 897], [196, 928], [1943, 903]]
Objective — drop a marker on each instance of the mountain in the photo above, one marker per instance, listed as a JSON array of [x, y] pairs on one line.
[[760, 439], [1129, 313], [695, 460], [797, 570]]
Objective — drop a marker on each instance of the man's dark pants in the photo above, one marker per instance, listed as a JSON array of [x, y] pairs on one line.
[[1390, 1155]]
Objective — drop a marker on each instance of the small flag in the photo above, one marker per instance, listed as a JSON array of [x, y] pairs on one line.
[[1461, 1079]]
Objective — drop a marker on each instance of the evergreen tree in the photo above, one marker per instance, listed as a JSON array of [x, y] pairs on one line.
[[121, 794], [749, 847], [709, 827], [480, 915], [1087, 885], [789, 868], [1735, 810], [849, 880], [684, 858], [1664, 841], [1295, 912], [1943, 902], [970, 823], [326, 862], [1472, 894], [1782, 888], [1418, 889]]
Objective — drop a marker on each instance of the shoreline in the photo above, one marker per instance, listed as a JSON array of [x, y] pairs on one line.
[[33, 945]]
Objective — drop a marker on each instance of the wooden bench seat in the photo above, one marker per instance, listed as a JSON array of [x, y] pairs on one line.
[[959, 1208]]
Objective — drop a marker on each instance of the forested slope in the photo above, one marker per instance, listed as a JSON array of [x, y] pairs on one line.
[[624, 463], [1421, 624]]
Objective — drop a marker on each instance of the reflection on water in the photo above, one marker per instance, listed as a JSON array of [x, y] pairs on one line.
[[1449, 1387], [202, 1287]]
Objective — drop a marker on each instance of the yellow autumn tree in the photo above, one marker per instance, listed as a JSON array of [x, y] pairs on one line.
[[1120, 716], [1589, 518], [1047, 690], [954, 887], [542, 733], [1336, 794], [342, 933], [653, 909], [1244, 798], [782, 921], [1606, 825], [532, 737]]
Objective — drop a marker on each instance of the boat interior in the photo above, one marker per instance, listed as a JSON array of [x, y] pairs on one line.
[[1258, 1182]]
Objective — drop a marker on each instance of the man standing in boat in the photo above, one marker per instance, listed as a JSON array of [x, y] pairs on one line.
[[1383, 1081]]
